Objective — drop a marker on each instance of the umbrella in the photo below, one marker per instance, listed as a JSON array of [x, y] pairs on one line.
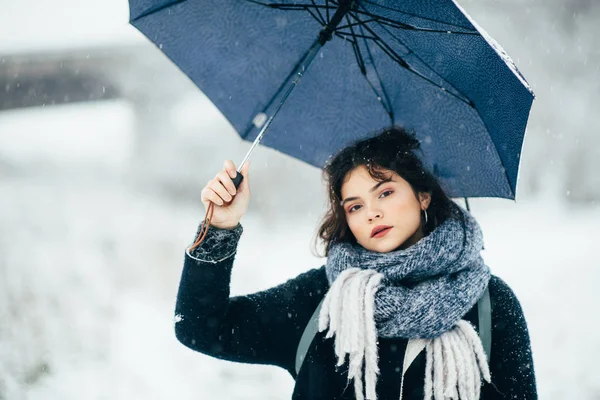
[[422, 64]]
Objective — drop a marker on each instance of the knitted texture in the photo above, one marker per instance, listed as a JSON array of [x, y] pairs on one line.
[[455, 364], [266, 327], [454, 360], [427, 287], [218, 245], [348, 311]]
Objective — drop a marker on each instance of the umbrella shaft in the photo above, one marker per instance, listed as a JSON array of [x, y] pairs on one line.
[[291, 83], [296, 75]]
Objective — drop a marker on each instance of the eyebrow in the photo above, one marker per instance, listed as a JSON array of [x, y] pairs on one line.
[[374, 188]]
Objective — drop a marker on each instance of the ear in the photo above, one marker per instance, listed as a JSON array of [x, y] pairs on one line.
[[424, 199]]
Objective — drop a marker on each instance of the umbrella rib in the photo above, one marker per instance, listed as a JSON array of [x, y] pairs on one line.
[[458, 93], [282, 6], [359, 58], [385, 107], [280, 89], [407, 66], [460, 97], [416, 15], [361, 63], [157, 9], [408, 27], [301, 7], [316, 17], [343, 34], [322, 20], [390, 52], [350, 25], [327, 7], [357, 53], [388, 102], [260, 3]]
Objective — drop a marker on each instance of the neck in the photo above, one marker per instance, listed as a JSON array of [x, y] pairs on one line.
[[418, 235]]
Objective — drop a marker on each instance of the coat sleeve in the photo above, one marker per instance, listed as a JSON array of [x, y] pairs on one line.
[[511, 362], [259, 328]]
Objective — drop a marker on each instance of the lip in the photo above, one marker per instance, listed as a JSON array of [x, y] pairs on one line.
[[379, 228]]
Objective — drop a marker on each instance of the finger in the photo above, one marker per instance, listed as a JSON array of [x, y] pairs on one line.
[[209, 195], [227, 182], [218, 187], [212, 192], [229, 166]]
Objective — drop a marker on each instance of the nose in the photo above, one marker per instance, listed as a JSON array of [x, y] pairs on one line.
[[372, 214]]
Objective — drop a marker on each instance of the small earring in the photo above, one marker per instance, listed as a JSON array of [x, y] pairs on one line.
[[425, 212]]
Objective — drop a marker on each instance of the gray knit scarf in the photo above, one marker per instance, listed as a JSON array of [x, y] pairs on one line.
[[427, 287], [420, 293]]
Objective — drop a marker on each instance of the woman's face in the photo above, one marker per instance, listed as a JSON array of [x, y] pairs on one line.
[[368, 203]]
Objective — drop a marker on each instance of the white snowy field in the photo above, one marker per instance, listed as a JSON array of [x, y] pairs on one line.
[[91, 249], [90, 263]]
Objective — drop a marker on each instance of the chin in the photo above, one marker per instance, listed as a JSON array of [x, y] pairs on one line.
[[385, 246]]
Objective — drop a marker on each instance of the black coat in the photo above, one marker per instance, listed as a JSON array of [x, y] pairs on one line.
[[265, 328]]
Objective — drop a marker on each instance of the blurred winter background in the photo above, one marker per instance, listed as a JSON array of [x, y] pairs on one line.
[[105, 147]]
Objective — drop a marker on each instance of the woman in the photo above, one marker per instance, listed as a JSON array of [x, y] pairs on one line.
[[402, 280]]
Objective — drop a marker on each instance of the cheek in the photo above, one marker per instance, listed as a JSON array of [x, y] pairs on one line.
[[414, 220], [354, 225], [406, 211], [406, 202]]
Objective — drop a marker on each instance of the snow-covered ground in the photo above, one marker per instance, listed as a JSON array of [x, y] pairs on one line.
[[90, 263]]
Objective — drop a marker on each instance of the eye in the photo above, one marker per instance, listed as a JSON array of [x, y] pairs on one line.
[[352, 208], [387, 191]]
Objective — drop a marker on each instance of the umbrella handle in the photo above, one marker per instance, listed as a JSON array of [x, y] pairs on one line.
[[238, 179], [209, 213]]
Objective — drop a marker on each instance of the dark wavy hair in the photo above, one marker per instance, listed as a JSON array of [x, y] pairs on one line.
[[392, 149]]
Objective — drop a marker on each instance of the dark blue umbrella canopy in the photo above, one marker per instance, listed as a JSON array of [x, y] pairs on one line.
[[422, 64]]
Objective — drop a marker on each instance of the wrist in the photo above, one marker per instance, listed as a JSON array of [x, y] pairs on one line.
[[218, 244], [226, 225]]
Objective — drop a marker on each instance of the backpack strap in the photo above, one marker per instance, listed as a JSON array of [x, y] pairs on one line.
[[485, 330], [307, 337], [484, 310]]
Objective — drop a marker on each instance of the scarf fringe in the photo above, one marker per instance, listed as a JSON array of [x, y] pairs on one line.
[[455, 360]]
